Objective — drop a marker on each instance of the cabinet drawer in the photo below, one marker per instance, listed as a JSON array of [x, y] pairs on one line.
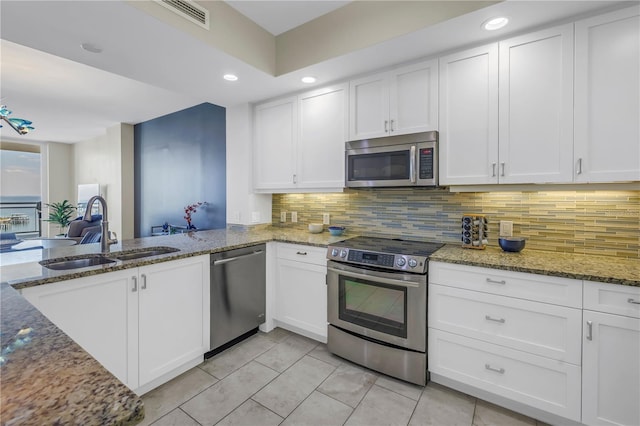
[[542, 383], [539, 328], [302, 253], [612, 298], [540, 288]]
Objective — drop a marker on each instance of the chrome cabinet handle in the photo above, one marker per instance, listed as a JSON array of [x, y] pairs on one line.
[[497, 370], [489, 280], [386, 124], [579, 170], [302, 253], [144, 282], [493, 168], [135, 284], [501, 320], [502, 168], [589, 330], [392, 125], [295, 179], [635, 302]]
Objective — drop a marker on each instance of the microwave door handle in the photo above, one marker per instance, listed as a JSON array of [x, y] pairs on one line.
[[412, 164], [374, 278]]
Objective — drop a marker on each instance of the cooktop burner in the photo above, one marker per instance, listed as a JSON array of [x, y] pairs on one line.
[[401, 255]]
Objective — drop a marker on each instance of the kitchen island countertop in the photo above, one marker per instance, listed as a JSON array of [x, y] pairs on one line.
[[48, 378]]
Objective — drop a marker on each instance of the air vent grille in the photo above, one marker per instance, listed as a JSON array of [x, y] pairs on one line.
[[189, 10]]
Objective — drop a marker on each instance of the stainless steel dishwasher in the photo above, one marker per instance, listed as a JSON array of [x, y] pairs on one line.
[[238, 293]]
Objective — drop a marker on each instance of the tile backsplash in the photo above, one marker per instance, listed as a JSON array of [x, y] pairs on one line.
[[592, 222]]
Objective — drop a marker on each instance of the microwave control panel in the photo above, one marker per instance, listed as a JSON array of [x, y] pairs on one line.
[[426, 163]]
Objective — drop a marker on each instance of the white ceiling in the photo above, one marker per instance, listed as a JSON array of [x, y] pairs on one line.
[[148, 69], [278, 17]]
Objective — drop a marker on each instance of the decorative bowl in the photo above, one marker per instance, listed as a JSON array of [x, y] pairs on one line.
[[336, 230], [511, 244], [316, 228]]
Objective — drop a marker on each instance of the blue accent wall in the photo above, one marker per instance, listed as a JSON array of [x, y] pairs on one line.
[[180, 159]]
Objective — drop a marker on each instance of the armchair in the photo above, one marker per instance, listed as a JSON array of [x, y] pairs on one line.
[[79, 228]]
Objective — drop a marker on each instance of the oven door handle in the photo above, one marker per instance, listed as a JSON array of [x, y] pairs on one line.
[[390, 281]]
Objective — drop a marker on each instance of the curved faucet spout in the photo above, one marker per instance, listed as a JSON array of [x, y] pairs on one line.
[[105, 236]]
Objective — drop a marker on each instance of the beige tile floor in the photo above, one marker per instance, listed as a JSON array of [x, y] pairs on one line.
[[281, 378]]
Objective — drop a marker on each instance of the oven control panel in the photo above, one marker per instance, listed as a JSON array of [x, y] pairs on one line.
[[383, 260]]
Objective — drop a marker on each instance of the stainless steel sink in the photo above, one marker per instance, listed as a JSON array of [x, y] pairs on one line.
[[141, 253], [76, 263]]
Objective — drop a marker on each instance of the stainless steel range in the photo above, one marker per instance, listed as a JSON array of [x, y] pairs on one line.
[[377, 304]]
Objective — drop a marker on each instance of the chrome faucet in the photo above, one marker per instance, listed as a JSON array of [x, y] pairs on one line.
[[105, 236]]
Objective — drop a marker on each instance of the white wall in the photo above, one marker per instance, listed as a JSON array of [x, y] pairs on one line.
[[108, 161], [242, 204], [57, 176]]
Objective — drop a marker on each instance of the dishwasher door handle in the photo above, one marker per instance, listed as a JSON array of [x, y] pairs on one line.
[[232, 259]]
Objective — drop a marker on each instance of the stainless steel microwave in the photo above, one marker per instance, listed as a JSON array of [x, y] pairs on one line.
[[393, 161]]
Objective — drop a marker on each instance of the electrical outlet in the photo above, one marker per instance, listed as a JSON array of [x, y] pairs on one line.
[[294, 217], [325, 219], [506, 228], [283, 216]]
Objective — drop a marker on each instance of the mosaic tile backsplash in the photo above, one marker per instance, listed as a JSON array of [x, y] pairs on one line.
[[590, 222]]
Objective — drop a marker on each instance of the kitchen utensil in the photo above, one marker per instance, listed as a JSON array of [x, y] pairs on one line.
[[316, 228], [511, 244], [336, 230]]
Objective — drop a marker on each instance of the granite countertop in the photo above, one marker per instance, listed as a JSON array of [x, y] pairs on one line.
[[30, 273], [606, 269], [46, 378]]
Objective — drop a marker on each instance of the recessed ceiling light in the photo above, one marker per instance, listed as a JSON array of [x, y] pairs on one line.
[[230, 77], [495, 23], [308, 79], [91, 48]]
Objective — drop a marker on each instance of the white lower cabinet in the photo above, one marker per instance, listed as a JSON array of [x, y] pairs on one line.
[[498, 332], [301, 290], [145, 325], [611, 355]]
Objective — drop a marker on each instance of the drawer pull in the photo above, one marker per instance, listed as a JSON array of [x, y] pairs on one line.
[[302, 253], [589, 330], [635, 302], [488, 318], [497, 370], [489, 280]]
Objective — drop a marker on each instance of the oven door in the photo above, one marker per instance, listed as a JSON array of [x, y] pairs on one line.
[[389, 307], [381, 166]]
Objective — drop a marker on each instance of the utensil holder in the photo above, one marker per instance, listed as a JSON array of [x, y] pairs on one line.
[[474, 231]]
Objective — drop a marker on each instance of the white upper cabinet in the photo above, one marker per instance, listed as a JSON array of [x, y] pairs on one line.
[[607, 99], [299, 142], [322, 133], [506, 111], [469, 116], [397, 102], [536, 107], [275, 127]]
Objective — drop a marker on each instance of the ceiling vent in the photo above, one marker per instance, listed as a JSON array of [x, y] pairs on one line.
[[189, 10]]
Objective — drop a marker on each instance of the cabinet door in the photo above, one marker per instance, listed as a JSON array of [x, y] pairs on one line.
[[469, 117], [100, 314], [369, 107], [610, 370], [322, 134], [301, 298], [536, 107], [413, 102], [274, 144], [173, 309], [607, 101]]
